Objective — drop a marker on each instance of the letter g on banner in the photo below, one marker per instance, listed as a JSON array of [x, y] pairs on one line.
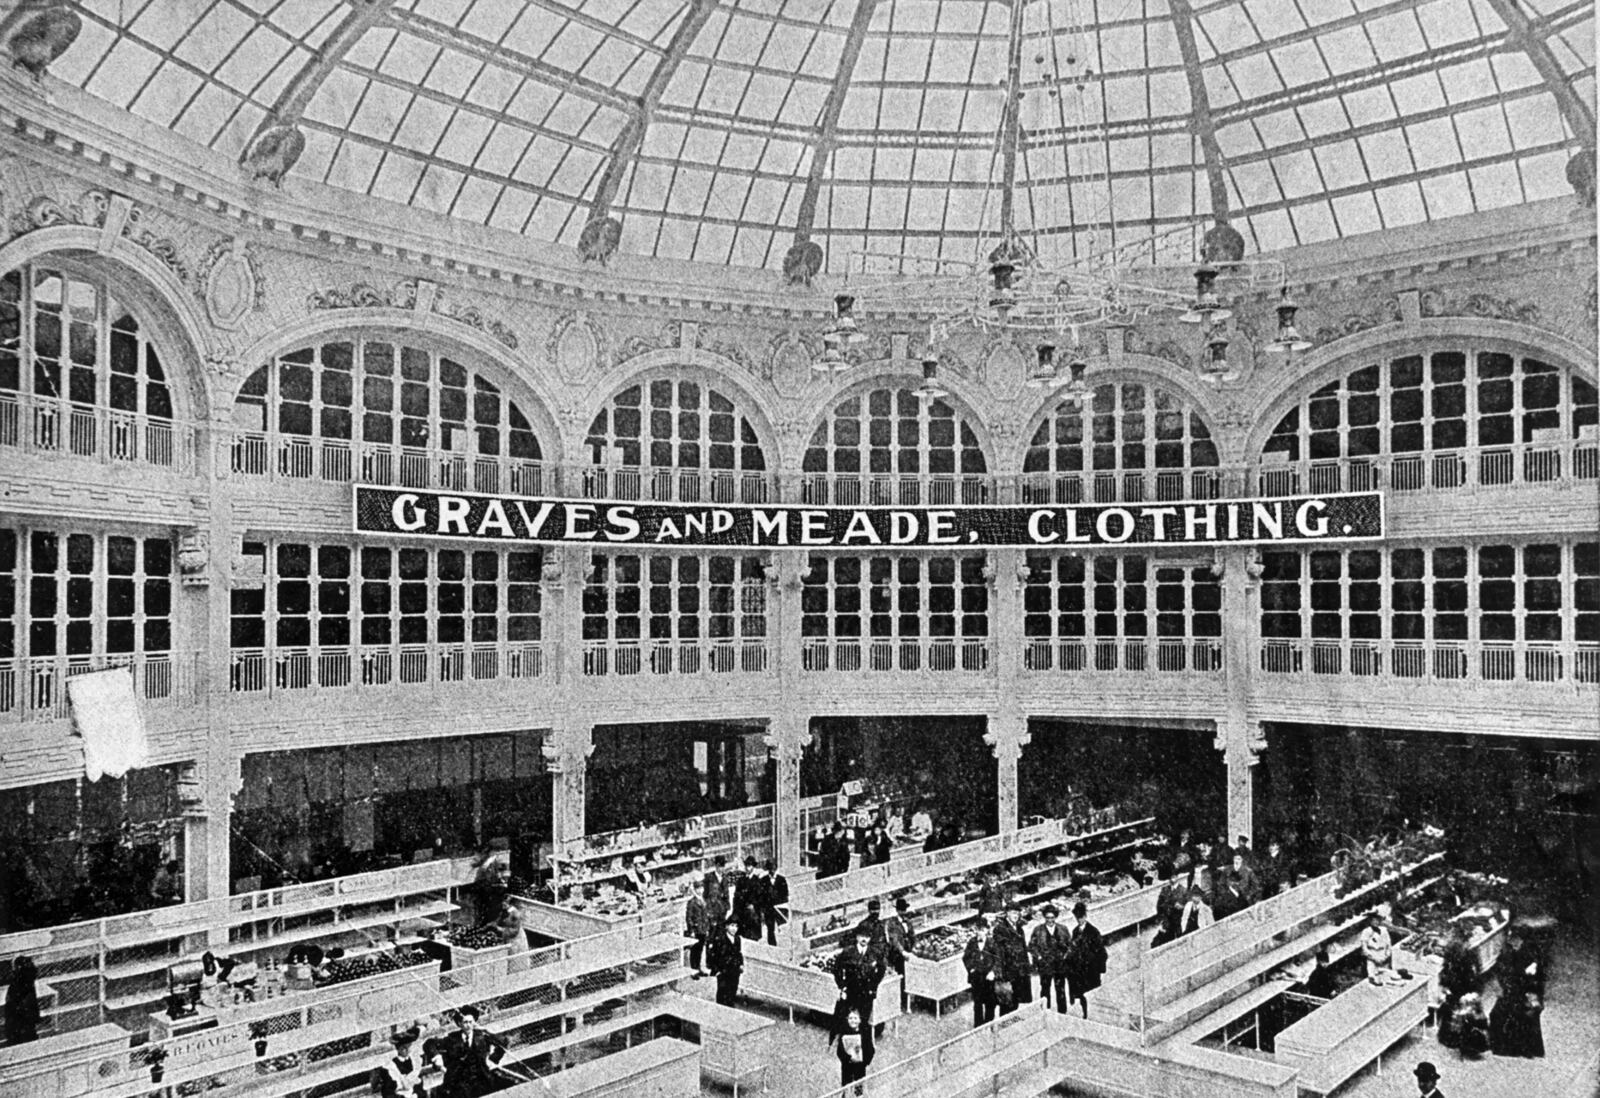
[[405, 513]]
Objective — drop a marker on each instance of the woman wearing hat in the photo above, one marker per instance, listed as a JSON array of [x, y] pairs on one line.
[[401, 1075], [471, 1058]]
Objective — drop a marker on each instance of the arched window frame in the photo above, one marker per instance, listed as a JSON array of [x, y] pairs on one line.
[[104, 392], [1466, 413], [1133, 440], [676, 438], [386, 407], [882, 444]]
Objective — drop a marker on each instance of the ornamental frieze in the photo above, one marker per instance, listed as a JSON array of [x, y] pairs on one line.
[[1488, 306], [1373, 314], [406, 295], [91, 210]]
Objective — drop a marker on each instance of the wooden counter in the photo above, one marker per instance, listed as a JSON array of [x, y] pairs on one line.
[[662, 1068], [1335, 1041]]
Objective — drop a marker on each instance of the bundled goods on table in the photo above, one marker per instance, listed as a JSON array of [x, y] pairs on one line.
[[344, 970], [942, 943], [584, 872], [482, 937]]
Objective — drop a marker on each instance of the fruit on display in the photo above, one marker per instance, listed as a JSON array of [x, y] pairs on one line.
[[373, 964], [483, 937], [944, 942]]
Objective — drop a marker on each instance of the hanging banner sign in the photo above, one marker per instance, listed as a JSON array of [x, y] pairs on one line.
[[405, 512]]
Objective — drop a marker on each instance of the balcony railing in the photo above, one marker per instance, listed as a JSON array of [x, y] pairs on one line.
[[674, 485], [718, 656], [895, 489], [1193, 655], [339, 461], [46, 426], [1473, 467], [274, 670], [35, 689], [916, 654], [1125, 486], [1451, 661]]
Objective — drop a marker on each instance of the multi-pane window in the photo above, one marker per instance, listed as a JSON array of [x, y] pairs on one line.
[[675, 440], [84, 596], [1423, 410], [1106, 609], [1128, 442], [688, 612], [73, 601], [888, 446], [77, 372], [906, 613], [1534, 598], [409, 615], [386, 412]]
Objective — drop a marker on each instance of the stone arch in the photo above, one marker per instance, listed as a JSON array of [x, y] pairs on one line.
[[162, 301]]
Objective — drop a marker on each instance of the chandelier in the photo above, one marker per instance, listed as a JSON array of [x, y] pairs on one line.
[[1010, 288]]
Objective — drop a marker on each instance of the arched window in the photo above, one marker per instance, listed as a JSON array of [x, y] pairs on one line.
[[1129, 442], [1442, 418], [888, 446], [387, 413], [78, 374], [672, 439]]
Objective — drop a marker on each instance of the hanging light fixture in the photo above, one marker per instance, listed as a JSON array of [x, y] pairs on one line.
[[1044, 368], [844, 321], [1289, 339], [1206, 308], [1004, 297], [1215, 366], [831, 358], [1070, 380], [930, 389]]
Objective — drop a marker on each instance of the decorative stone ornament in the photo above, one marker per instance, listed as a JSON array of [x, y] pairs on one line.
[[194, 558], [790, 360], [230, 282], [575, 347], [802, 262], [600, 238], [1580, 173], [276, 150], [43, 38], [1222, 244]]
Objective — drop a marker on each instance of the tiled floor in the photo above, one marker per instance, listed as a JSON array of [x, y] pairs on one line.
[[805, 1065]]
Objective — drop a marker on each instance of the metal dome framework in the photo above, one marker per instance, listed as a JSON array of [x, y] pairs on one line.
[[727, 131]]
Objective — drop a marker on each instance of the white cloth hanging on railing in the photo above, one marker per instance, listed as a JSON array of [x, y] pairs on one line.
[[105, 712]]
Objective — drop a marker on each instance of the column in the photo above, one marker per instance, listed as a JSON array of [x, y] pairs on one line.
[[1239, 738], [789, 731], [571, 740], [1006, 737], [1008, 727], [788, 736]]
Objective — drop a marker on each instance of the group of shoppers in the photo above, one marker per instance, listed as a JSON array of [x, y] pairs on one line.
[[1514, 1027], [724, 909], [1210, 880], [1003, 956]]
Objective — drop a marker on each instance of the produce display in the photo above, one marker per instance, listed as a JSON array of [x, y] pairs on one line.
[[373, 964], [944, 942], [1360, 864], [483, 937], [1475, 902]]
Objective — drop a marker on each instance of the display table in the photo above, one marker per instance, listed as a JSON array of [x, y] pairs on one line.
[[565, 923], [768, 975], [91, 1057], [937, 981], [735, 1045], [662, 1068], [1335, 1041]]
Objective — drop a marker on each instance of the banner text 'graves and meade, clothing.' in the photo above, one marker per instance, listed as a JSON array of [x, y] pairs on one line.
[[1350, 516]]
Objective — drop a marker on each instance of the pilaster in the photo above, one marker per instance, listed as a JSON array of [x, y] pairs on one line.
[[1006, 737], [571, 741], [789, 731], [1239, 738], [567, 755]]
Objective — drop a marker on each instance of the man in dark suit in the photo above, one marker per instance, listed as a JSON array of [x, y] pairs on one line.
[[979, 962], [1011, 959], [471, 1057], [1086, 957], [1428, 1080], [716, 892], [1049, 948], [777, 898], [752, 900], [726, 962], [857, 972], [833, 854]]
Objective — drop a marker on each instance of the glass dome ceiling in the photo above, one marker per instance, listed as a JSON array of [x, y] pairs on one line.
[[726, 130]]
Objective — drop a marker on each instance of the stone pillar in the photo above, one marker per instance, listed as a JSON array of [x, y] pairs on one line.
[[1239, 738], [567, 754], [788, 736], [571, 739], [789, 732], [1007, 736], [1007, 574]]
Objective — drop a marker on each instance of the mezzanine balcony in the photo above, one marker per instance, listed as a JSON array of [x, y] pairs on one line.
[[1468, 662], [46, 426], [35, 688], [280, 670]]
